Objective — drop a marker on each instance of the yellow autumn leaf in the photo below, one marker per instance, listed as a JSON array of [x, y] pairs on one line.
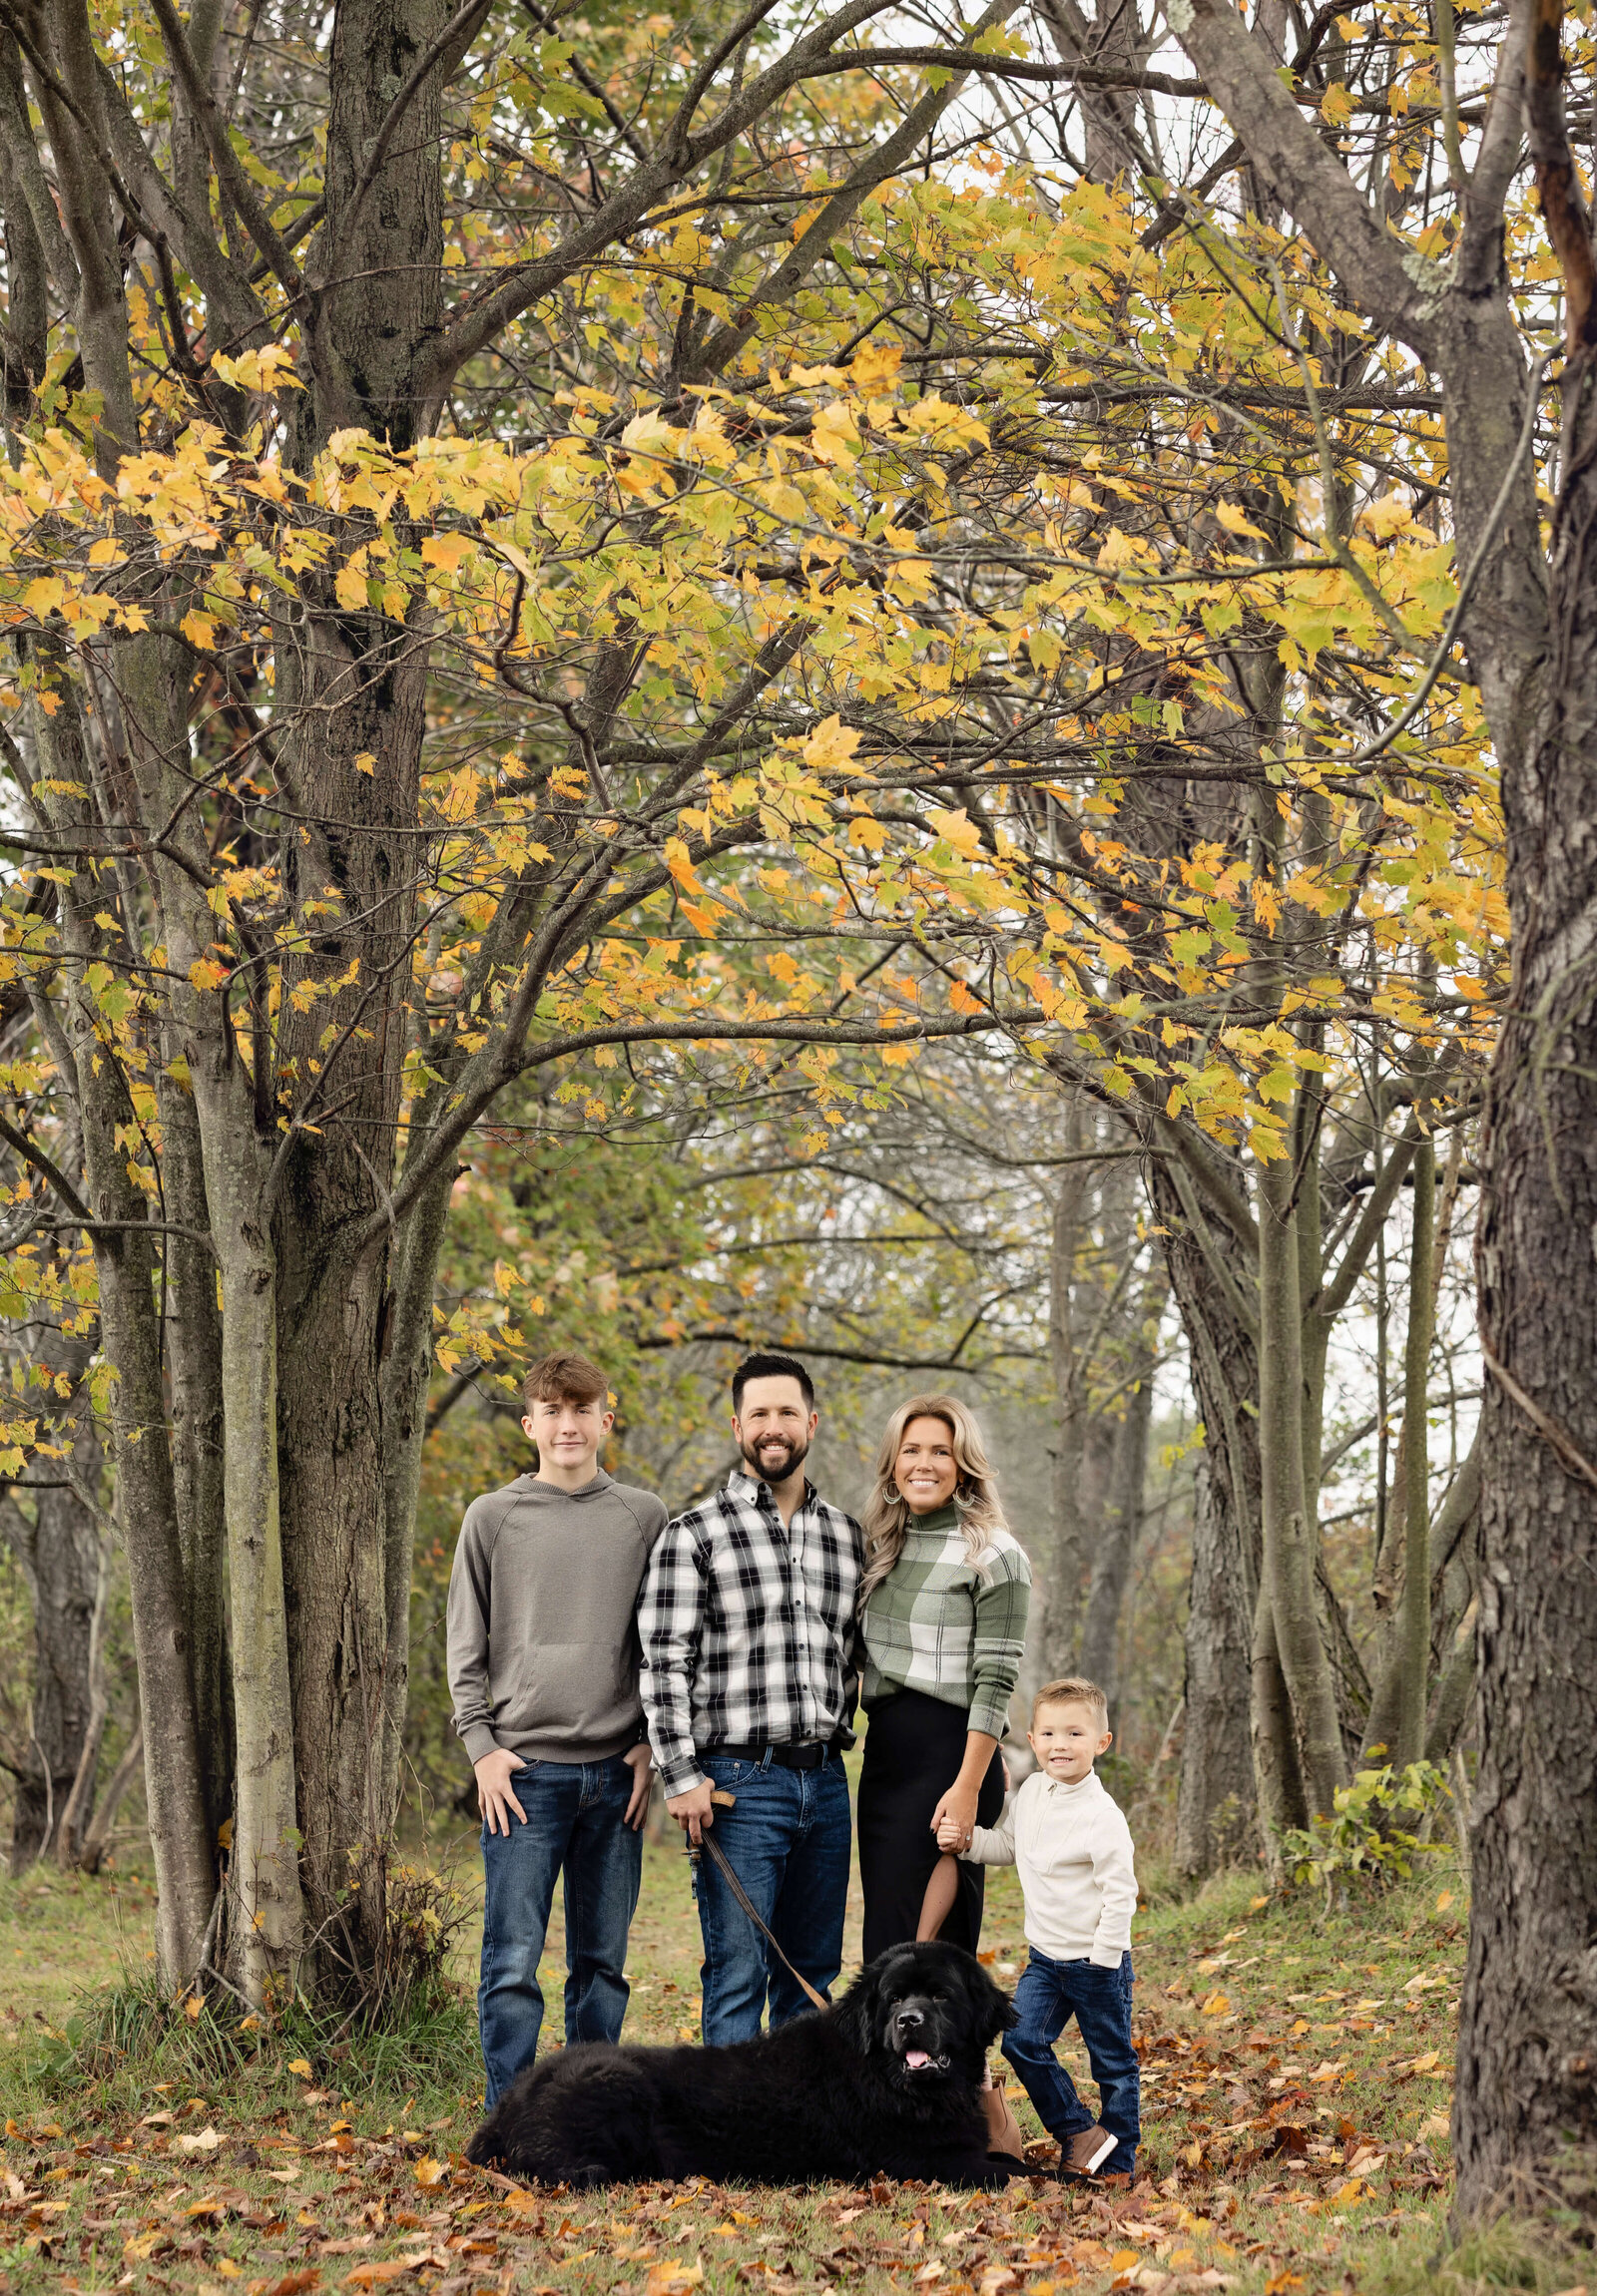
[[365, 762], [1237, 521], [270, 368], [874, 367], [668, 2278], [958, 829], [205, 973], [830, 747], [301, 2065], [1389, 515], [429, 2171], [447, 550], [1217, 2005], [44, 594], [833, 437]]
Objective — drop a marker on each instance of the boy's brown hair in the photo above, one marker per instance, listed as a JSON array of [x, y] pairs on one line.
[[1072, 1690], [564, 1377]]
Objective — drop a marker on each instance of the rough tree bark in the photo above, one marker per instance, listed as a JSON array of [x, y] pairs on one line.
[[1209, 1276]]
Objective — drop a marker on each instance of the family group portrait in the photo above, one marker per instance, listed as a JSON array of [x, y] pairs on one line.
[[797, 1148]]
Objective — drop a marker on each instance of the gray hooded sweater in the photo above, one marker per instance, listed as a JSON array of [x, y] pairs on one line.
[[543, 1634]]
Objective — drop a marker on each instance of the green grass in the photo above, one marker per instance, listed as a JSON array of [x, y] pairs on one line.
[[1296, 2083]]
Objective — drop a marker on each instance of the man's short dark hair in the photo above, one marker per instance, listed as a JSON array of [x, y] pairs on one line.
[[762, 1365]]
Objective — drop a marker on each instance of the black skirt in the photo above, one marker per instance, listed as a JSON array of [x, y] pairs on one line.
[[914, 1746]]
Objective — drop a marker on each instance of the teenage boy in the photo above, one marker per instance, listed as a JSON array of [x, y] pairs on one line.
[[543, 1668], [1074, 1853], [749, 1682]]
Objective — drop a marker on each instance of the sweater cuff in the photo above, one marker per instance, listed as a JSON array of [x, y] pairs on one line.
[[478, 1739], [1106, 1956], [992, 1719]]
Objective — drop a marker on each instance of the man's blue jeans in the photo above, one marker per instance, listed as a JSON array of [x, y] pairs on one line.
[[788, 1840], [1049, 1994], [576, 1814]]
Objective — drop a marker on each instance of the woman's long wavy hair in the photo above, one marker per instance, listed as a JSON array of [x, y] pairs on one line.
[[889, 1515]]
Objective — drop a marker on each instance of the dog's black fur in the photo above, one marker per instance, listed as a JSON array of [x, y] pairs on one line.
[[830, 2097]]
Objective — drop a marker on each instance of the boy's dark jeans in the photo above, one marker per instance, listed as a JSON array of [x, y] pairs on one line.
[[576, 1823], [1049, 1994]]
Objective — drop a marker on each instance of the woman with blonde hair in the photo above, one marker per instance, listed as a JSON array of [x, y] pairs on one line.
[[942, 1621]]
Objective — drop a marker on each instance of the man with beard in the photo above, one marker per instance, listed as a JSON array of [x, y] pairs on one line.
[[749, 1683]]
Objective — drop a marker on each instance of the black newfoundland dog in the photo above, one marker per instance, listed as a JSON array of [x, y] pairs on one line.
[[887, 2080]]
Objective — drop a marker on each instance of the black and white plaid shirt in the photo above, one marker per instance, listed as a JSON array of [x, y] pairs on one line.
[[747, 1630]]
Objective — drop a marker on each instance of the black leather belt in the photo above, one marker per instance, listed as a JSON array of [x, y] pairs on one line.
[[807, 1757]]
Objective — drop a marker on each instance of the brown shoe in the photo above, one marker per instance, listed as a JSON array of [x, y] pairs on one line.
[[1085, 2153]]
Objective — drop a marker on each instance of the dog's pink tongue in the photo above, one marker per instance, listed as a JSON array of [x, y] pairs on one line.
[[916, 2058]]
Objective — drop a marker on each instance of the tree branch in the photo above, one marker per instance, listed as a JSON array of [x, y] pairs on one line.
[[51, 1170], [676, 159], [841, 208], [1310, 184], [1563, 205], [252, 209]]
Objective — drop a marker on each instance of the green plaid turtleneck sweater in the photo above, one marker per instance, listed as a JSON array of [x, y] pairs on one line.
[[953, 1629]]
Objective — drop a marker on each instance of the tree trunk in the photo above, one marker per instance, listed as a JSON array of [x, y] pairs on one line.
[[1214, 1800], [358, 689], [1215, 1808], [61, 1557], [1122, 1520], [194, 1345], [1070, 1543], [1527, 2108], [97, 1839], [1413, 1632], [1291, 1541]]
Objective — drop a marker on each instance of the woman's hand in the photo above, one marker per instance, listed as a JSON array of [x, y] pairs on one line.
[[959, 1804]]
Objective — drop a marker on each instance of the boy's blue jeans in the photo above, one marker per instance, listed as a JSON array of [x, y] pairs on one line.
[[1049, 1994], [575, 1824], [788, 1840]]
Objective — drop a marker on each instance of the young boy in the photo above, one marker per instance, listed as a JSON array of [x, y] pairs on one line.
[[1073, 1849], [543, 1669]]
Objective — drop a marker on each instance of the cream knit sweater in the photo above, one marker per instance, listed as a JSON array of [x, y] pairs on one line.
[[1072, 1846]]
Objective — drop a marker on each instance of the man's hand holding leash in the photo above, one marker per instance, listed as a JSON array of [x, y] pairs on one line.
[[692, 1809]]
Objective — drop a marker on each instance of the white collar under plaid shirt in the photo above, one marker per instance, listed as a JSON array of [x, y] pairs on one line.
[[747, 1630]]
